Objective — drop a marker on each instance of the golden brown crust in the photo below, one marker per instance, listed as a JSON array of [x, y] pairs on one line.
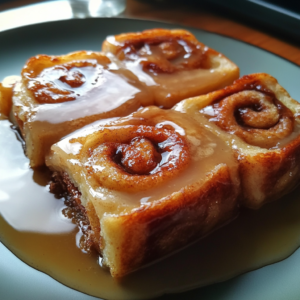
[[280, 174], [95, 225], [154, 36]]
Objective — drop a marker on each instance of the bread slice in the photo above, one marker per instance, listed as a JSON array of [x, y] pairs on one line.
[[173, 63], [59, 94], [150, 184], [260, 121]]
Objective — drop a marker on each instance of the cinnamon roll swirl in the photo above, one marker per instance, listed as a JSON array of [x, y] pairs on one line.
[[260, 121], [150, 183], [59, 94], [172, 63]]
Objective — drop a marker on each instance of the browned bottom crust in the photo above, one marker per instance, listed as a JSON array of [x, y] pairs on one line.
[[85, 218]]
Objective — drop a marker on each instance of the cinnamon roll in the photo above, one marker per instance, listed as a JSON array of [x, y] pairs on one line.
[[149, 183], [59, 94], [259, 119], [173, 63]]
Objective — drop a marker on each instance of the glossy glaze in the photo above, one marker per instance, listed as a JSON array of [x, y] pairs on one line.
[[190, 174], [163, 54], [65, 82], [196, 152], [59, 94], [173, 63]]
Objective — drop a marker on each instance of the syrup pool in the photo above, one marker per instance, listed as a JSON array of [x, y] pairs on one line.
[[34, 229]]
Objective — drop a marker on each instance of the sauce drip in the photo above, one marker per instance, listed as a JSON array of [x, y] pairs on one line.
[[34, 227]]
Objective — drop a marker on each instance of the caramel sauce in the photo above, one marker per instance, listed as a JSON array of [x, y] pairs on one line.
[[161, 51], [65, 82], [87, 94], [34, 228], [60, 93], [166, 56]]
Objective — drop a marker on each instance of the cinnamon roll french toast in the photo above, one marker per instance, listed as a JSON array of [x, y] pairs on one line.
[[173, 63], [150, 184], [150, 181], [59, 94], [261, 122]]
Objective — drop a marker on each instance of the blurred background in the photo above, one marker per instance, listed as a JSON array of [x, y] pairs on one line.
[[270, 24]]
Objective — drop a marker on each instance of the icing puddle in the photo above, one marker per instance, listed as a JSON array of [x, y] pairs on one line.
[[34, 228]]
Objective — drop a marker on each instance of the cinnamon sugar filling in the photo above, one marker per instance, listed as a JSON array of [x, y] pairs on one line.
[[84, 217]]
